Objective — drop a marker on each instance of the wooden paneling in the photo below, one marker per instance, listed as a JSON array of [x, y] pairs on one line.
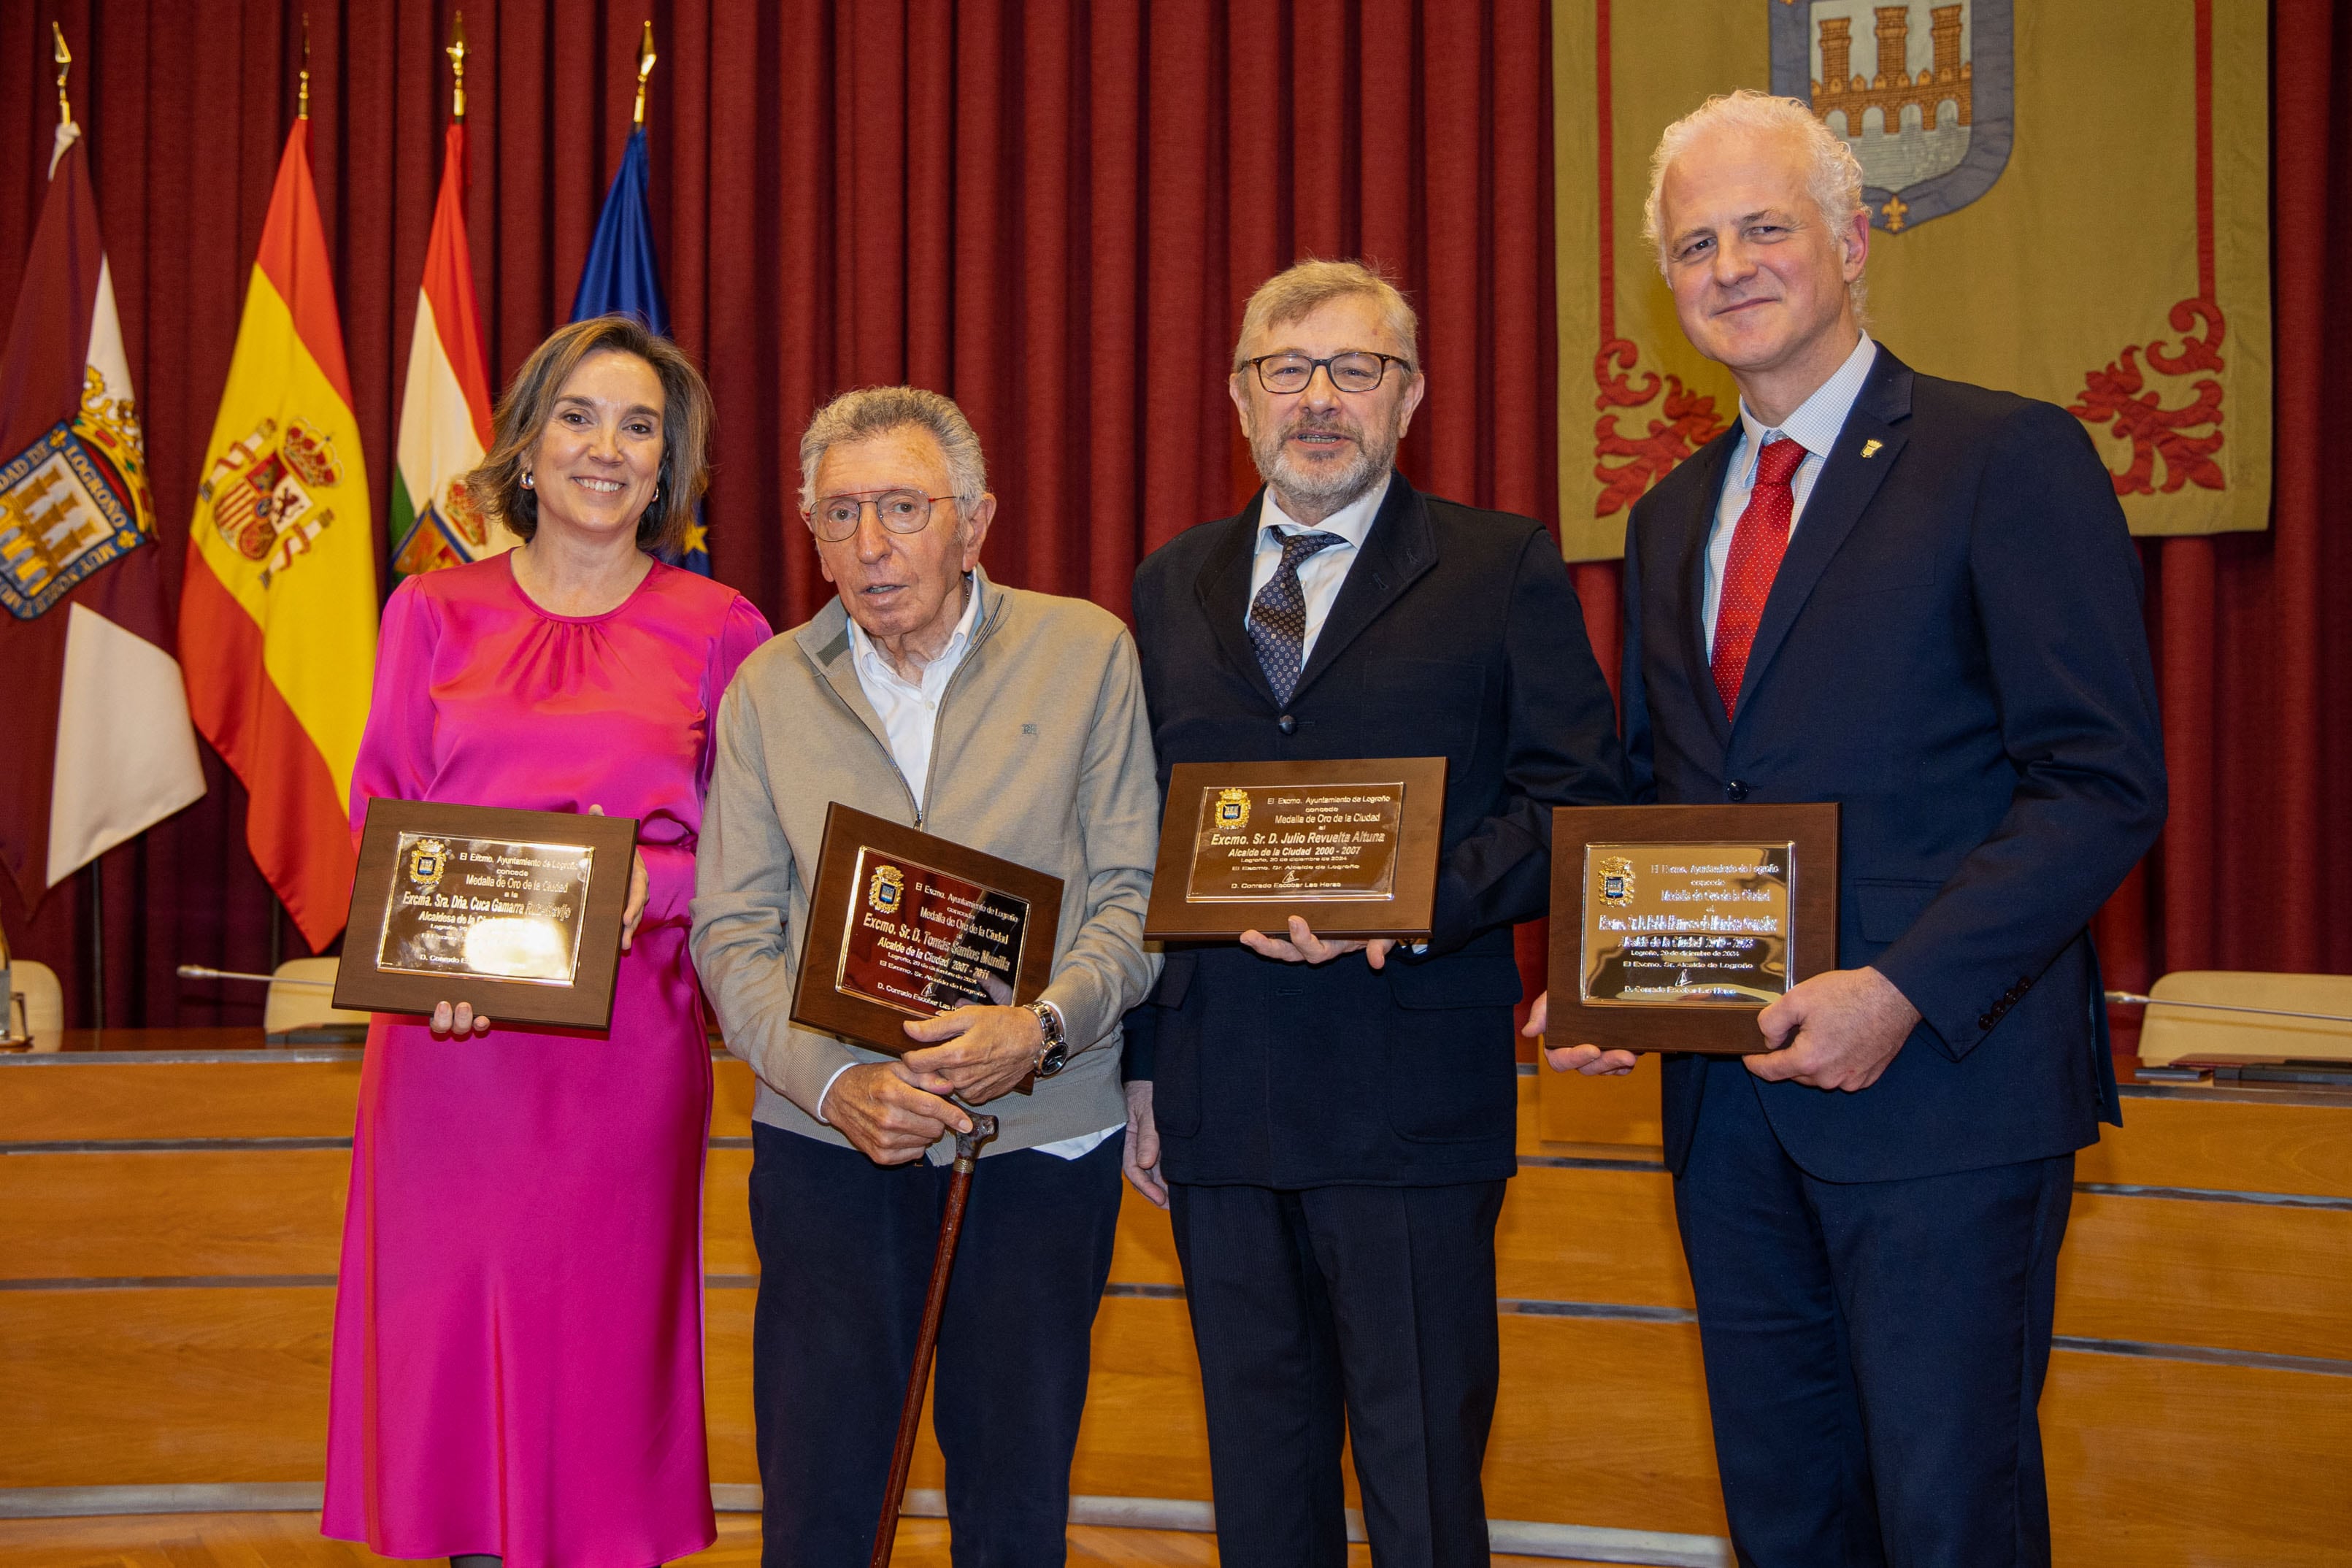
[[61, 1099], [292, 1540], [130, 1386], [726, 1386], [1145, 1251], [2165, 1464], [1618, 1111], [727, 1212], [1603, 1423], [2228, 1145], [1590, 1236], [732, 1091], [2248, 1277], [1145, 1433], [143, 1213]]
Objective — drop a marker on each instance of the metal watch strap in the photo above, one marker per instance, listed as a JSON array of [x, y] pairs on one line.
[[1049, 1023]]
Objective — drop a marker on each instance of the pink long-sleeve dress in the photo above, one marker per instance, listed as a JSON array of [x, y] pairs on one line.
[[517, 1352]]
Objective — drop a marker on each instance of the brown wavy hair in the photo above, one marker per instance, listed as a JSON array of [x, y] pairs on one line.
[[530, 401]]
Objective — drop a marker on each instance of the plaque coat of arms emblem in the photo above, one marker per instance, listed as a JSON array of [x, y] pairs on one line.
[[887, 887], [1232, 809], [1617, 880], [427, 860], [1922, 91]]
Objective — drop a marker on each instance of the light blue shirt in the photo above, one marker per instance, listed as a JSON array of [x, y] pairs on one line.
[[1814, 427], [1321, 574]]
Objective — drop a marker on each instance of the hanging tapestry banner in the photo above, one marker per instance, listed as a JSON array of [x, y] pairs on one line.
[[2069, 199]]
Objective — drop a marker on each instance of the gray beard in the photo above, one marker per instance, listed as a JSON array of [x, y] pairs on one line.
[[1329, 491]]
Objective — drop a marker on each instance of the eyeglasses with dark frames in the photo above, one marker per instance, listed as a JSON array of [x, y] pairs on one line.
[[835, 518], [1356, 370]]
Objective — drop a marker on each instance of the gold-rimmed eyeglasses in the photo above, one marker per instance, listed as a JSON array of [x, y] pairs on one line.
[[835, 518], [1359, 370]]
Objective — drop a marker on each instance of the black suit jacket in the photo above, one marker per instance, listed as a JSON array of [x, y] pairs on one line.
[[1457, 632], [1954, 650]]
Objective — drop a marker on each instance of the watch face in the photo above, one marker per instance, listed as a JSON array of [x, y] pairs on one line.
[[1057, 1056]]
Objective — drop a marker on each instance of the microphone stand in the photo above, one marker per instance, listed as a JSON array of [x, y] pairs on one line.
[[927, 1342]]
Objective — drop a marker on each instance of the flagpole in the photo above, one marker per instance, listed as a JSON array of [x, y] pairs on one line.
[[457, 53], [646, 59], [97, 944], [64, 57], [302, 101]]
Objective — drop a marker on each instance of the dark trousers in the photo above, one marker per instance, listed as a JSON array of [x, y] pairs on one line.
[[1874, 1351], [846, 1249], [1367, 1312]]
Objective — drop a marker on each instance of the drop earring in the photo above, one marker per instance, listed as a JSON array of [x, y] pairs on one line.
[[526, 481]]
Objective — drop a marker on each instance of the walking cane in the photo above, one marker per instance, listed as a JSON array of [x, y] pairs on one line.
[[911, 1413]]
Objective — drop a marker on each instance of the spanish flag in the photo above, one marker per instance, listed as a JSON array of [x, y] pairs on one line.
[[278, 617], [445, 416]]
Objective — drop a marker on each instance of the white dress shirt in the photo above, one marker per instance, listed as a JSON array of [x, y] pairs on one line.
[[909, 711], [1814, 427], [1321, 573]]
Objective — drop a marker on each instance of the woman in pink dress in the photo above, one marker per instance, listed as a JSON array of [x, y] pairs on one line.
[[518, 1354]]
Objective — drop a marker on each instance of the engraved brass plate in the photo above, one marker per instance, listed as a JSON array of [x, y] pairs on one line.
[[490, 908], [1302, 844], [921, 940], [1686, 925]]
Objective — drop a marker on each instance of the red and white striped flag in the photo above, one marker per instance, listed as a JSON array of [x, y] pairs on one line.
[[99, 745]]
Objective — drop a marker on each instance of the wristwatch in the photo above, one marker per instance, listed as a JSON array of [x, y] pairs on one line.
[[1055, 1054]]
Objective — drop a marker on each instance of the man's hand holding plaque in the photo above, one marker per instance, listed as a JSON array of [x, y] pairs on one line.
[[1302, 862], [930, 952], [1304, 946], [1709, 928]]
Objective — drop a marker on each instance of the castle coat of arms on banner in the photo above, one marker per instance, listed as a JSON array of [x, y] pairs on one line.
[[1922, 92], [72, 501]]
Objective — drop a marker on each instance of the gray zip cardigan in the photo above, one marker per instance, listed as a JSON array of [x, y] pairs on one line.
[[1042, 755]]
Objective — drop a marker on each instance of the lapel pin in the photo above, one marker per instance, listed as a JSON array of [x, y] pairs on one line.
[[1869, 449]]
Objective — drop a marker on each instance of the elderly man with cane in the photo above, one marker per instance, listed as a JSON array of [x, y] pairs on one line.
[[1012, 724]]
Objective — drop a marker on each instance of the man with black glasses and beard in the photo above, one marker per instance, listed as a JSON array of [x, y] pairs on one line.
[[1330, 1124]]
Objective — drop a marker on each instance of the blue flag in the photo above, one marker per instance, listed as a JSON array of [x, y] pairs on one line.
[[621, 280]]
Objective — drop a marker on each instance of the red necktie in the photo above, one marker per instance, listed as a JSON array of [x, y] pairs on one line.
[[1757, 545]]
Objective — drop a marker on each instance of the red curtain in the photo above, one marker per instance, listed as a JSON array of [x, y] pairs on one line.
[[1050, 209], [1053, 210]]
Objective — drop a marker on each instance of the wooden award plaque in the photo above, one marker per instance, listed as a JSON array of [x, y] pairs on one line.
[[903, 925], [1351, 845], [1672, 926], [516, 912]]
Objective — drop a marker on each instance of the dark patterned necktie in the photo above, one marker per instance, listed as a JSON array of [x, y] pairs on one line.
[[1277, 622]]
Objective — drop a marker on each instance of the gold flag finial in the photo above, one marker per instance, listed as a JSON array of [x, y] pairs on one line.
[[645, 57], [457, 53], [302, 101], [64, 57]]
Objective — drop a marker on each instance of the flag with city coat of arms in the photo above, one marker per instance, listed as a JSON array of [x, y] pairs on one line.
[[99, 745]]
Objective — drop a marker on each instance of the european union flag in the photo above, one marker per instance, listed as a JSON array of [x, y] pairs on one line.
[[620, 278]]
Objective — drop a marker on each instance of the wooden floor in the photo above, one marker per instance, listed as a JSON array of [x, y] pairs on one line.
[[292, 1540]]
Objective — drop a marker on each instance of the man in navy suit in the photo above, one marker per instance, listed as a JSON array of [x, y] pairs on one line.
[[1332, 1122], [1917, 598]]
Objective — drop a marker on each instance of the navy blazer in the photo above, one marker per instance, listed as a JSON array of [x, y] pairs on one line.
[[1457, 632], [1953, 650]]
